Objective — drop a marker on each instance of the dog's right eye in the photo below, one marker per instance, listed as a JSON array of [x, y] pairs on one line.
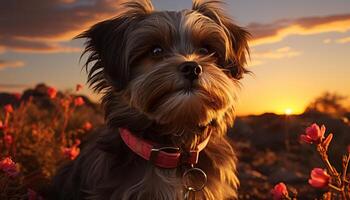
[[157, 51]]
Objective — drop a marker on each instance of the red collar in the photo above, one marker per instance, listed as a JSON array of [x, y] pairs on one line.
[[158, 155]]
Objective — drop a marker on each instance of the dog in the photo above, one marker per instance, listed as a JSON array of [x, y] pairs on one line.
[[168, 81]]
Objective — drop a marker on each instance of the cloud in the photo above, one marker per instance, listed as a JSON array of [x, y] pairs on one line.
[[343, 40], [261, 57], [10, 64], [42, 26], [278, 30], [284, 52], [24, 45]]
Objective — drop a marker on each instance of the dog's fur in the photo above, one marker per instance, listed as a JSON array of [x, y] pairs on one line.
[[148, 95]]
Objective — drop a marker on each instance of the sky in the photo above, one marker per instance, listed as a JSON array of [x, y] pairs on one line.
[[299, 49]]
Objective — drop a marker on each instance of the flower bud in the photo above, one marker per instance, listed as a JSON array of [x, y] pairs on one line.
[[319, 178], [279, 191]]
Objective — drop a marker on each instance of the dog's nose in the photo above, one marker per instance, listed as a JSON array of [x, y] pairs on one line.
[[191, 70]]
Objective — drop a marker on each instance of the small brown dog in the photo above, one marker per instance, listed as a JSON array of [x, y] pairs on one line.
[[168, 81]]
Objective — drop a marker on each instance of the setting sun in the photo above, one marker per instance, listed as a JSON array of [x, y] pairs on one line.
[[288, 111]]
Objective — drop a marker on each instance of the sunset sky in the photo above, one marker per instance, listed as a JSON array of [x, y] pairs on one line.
[[300, 48]]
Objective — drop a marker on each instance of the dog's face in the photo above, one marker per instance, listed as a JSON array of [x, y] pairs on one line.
[[179, 68]]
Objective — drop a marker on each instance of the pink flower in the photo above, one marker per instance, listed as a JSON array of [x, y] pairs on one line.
[[319, 178], [8, 140], [71, 152], [2, 126], [8, 108], [279, 191], [9, 167], [87, 126], [313, 134], [51, 92], [79, 101], [78, 87]]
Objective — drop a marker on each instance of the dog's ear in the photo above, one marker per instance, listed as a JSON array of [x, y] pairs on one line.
[[237, 50], [107, 64]]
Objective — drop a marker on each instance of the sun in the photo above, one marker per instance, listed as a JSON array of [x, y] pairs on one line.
[[288, 111]]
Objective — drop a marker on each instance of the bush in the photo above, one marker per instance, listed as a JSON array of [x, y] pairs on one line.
[[38, 136]]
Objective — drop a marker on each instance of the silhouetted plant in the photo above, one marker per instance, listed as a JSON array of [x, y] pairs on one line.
[[334, 183], [35, 141], [329, 103]]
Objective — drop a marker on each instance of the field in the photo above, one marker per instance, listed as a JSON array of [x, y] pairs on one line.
[[270, 152], [43, 129]]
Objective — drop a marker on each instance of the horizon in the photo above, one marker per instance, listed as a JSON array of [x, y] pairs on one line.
[[286, 112], [296, 56]]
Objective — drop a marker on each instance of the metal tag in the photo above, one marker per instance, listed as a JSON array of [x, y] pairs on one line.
[[194, 179]]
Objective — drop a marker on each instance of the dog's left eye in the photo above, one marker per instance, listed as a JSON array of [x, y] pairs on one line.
[[157, 51]]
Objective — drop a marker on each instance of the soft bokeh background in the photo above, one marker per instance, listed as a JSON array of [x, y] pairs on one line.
[[300, 49]]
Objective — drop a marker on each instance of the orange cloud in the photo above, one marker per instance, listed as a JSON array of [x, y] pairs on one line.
[[284, 52], [42, 26], [277, 31], [261, 57], [10, 64], [23, 45]]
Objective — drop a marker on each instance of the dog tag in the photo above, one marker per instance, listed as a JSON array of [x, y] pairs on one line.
[[194, 179]]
